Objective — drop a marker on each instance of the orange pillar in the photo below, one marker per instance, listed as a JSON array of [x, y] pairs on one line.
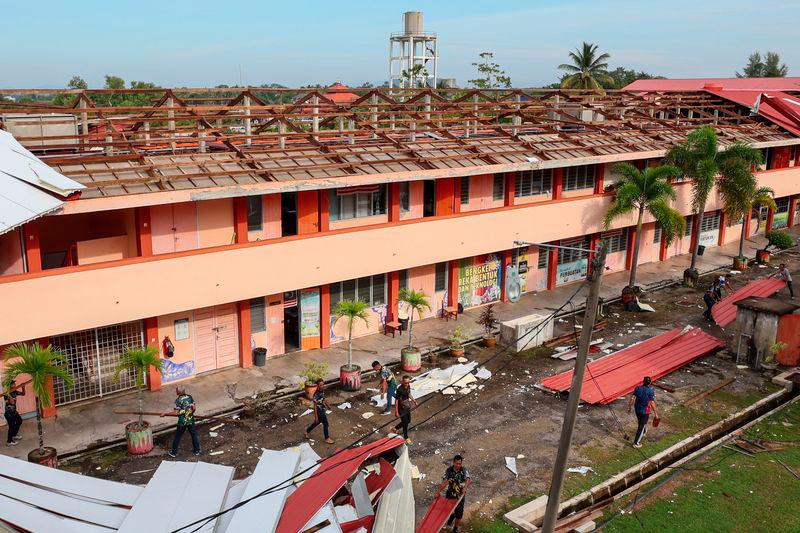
[[662, 249], [695, 232], [506, 260], [452, 283], [240, 218], [33, 252], [324, 210], [245, 333], [770, 218], [723, 221], [324, 316], [599, 178], [552, 267], [307, 212], [151, 337], [394, 202], [511, 184], [144, 235], [393, 286], [48, 412], [747, 219], [629, 251], [558, 183], [792, 210]]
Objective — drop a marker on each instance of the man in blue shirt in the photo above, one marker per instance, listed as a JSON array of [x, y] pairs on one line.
[[642, 401], [388, 384]]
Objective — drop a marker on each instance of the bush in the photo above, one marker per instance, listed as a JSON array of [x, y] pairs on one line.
[[314, 371], [456, 338], [487, 319], [780, 240]]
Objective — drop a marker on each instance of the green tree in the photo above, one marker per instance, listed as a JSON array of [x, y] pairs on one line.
[[411, 76], [700, 159], [768, 67], [649, 190], [621, 76], [492, 76], [40, 364], [351, 310], [588, 69], [740, 194], [139, 360], [417, 301], [76, 82]]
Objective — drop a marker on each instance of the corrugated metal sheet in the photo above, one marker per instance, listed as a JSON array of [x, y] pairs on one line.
[[727, 84], [436, 517], [724, 312], [617, 374]]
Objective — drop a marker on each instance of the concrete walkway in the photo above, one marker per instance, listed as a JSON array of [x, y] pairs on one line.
[[79, 426]]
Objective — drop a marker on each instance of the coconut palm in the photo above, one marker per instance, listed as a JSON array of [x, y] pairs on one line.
[[416, 301], [645, 190], [351, 310], [588, 69], [41, 364], [700, 159], [741, 194], [139, 360]]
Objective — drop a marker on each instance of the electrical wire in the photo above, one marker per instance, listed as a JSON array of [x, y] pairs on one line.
[[202, 522]]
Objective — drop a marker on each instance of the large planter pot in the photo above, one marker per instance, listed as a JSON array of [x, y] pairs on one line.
[[457, 352], [140, 439], [350, 377], [49, 458], [762, 256], [410, 359], [691, 277], [739, 263], [309, 388], [489, 341]]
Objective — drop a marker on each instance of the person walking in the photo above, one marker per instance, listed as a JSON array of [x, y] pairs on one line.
[[456, 479], [722, 283], [710, 298], [404, 403], [388, 385], [13, 418], [184, 409], [320, 405], [643, 401], [783, 274]]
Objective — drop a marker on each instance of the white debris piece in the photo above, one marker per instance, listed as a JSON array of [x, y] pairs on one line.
[[215, 428], [345, 405], [306, 412], [511, 464], [580, 470], [217, 453], [646, 307], [483, 373], [368, 414], [212, 434], [639, 324], [459, 375], [462, 360]]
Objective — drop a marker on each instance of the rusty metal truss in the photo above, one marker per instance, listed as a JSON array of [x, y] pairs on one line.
[[196, 138]]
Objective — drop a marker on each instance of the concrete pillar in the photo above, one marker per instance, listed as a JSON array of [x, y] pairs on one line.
[[248, 123], [144, 236], [325, 316], [393, 286], [599, 178], [629, 250], [558, 183], [723, 222], [324, 210], [792, 210], [171, 121], [511, 184], [552, 267], [240, 218], [452, 283], [282, 135], [505, 258], [151, 339], [245, 333], [33, 252], [394, 202]]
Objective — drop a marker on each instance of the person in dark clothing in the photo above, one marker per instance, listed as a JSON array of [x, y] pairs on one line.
[[13, 418], [643, 401], [388, 384], [184, 408], [783, 274], [403, 405], [320, 416], [710, 298], [456, 479]]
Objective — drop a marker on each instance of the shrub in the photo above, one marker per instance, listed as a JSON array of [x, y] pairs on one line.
[[314, 371], [780, 240]]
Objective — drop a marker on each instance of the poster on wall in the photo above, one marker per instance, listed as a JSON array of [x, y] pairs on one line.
[[572, 271], [309, 318], [479, 280], [780, 220], [522, 269], [709, 238]]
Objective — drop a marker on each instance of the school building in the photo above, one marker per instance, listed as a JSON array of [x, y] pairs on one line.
[[217, 221]]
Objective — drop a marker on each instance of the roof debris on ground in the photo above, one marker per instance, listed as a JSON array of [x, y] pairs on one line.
[[724, 311]]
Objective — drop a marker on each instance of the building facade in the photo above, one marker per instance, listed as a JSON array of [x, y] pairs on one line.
[[215, 223]]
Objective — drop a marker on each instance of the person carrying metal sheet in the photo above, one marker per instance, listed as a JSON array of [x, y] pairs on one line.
[[710, 298], [643, 402], [403, 405], [320, 406], [786, 277], [184, 409], [457, 480], [388, 384]]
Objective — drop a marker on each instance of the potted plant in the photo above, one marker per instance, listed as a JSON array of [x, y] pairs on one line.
[[769, 362], [776, 239], [410, 356], [456, 338], [312, 372], [42, 364], [488, 321], [351, 310], [139, 434]]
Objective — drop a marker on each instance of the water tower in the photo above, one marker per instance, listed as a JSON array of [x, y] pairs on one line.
[[413, 56]]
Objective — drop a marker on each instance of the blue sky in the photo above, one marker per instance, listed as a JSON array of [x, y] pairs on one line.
[[199, 43]]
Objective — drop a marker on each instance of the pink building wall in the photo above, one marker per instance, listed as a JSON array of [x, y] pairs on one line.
[[480, 193], [11, 253], [271, 215], [182, 364], [416, 193], [359, 222], [100, 250], [215, 222]]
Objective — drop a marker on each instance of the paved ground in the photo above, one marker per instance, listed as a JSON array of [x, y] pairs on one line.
[[79, 426]]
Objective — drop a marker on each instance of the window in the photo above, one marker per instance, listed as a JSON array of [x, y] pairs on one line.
[[403, 278], [357, 202], [405, 197], [181, 329], [544, 259], [576, 178], [258, 315], [657, 235], [615, 241], [441, 277], [465, 190], [710, 222], [688, 230], [569, 256], [255, 220], [781, 217], [533, 182], [498, 187], [782, 205], [371, 289]]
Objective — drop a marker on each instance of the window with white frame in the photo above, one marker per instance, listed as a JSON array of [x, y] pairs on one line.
[[255, 218], [710, 222], [533, 183], [258, 315], [569, 254], [465, 190], [543, 259], [357, 202], [576, 178], [615, 241], [405, 197], [498, 187], [440, 283], [688, 220], [370, 289], [657, 235]]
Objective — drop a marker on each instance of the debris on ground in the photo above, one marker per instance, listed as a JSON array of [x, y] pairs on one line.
[[511, 464], [583, 470]]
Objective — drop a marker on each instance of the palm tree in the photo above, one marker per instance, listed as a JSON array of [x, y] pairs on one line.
[[139, 360], [588, 69], [648, 190], [741, 194], [416, 301], [352, 310], [700, 159], [40, 364]]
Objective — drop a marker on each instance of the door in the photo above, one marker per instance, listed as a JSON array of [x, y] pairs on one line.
[[174, 228], [429, 198], [288, 214], [216, 337], [275, 324], [291, 322]]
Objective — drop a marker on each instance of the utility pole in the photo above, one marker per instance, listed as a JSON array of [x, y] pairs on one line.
[[554, 498]]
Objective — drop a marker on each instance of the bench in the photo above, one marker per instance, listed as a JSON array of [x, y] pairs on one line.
[[450, 312], [392, 326]]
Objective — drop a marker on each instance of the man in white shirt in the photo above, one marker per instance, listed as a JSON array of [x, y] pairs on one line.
[[783, 274]]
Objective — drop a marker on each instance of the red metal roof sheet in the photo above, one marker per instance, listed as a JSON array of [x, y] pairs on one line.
[[727, 84], [436, 517], [724, 312], [617, 374], [332, 474]]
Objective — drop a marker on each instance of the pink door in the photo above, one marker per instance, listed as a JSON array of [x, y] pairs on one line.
[[216, 337], [205, 355], [275, 324], [174, 228]]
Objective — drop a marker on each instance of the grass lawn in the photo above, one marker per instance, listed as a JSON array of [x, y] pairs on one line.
[[727, 491]]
